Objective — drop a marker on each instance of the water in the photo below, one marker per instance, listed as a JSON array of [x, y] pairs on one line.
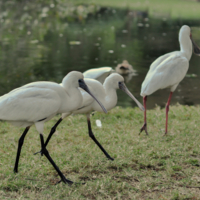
[[47, 50]]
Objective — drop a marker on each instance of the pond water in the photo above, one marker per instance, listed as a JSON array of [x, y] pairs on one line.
[[49, 50]]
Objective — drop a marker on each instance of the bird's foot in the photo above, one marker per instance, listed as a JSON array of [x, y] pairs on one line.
[[41, 153], [66, 181], [165, 134], [144, 128], [110, 158]]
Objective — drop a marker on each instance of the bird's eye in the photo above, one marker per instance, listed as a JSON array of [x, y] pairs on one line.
[[120, 85], [79, 80]]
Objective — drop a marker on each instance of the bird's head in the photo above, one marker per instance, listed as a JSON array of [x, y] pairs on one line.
[[116, 81], [75, 79], [113, 80], [72, 79], [185, 30]]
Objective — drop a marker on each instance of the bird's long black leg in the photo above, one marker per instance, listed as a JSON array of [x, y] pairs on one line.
[[20, 143], [95, 140], [144, 127], [53, 130], [46, 153]]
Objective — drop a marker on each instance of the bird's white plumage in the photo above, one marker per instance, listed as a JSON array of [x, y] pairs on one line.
[[18, 105], [99, 74], [164, 75], [88, 104], [105, 93], [168, 70], [37, 101], [97, 89]]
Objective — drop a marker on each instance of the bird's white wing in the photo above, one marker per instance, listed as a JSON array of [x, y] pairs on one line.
[[168, 73], [161, 59], [96, 72], [29, 104], [99, 74]]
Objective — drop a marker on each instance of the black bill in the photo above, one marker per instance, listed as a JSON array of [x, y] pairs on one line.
[[196, 49]]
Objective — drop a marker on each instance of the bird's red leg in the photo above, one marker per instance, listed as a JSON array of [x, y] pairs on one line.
[[167, 110], [144, 127]]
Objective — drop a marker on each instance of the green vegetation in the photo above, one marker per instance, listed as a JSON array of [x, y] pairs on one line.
[[44, 40], [79, 9], [145, 167], [185, 9]]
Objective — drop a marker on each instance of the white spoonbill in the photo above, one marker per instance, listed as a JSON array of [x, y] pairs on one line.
[[106, 93], [38, 102], [168, 70]]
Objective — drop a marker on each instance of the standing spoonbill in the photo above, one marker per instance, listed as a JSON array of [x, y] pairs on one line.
[[38, 102], [169, 70], [106, 93]]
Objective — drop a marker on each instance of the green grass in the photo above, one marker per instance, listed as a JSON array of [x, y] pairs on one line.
[[145, 167], [186, 9]]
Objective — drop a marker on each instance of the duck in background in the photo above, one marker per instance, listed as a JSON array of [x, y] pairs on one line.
[[125, 68]]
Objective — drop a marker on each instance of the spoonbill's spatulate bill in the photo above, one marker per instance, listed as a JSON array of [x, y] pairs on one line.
[[106, 93], [168, 70], [38, 102]]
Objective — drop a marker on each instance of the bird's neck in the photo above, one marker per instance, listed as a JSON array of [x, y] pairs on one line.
[[74, 98], [111, 97], [186, 46]]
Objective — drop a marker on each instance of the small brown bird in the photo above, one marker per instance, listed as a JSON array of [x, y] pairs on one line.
[[125, 68]]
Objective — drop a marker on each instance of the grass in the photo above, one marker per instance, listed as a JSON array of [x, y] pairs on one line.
[[145, 167]]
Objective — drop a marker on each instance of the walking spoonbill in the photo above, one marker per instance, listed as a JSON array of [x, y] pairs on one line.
[[37, 102], [168, 70], [106, 93]]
